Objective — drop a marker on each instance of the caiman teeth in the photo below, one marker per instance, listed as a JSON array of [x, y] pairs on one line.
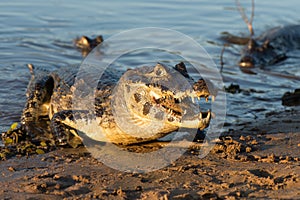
[[193, 99], [198, 121], [155, 95], [208, 116], [206, 119], [182, 95]]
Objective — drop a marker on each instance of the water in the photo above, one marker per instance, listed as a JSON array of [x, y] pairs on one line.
[[42, 32]]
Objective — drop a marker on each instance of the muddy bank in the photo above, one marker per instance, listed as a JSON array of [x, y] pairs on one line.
[[256, 160]]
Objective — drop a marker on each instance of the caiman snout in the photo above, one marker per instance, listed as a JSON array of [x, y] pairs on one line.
[[246, 61]]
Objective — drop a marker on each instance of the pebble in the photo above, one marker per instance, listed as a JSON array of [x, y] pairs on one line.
[[11, 169]]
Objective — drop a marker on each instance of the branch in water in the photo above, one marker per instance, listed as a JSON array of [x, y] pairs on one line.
[[245, 18]]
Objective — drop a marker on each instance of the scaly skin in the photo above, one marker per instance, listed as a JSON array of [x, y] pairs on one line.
[[146, 104], [269, 48]]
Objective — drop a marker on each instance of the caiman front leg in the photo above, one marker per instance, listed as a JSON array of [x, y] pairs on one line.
[[63, 126]]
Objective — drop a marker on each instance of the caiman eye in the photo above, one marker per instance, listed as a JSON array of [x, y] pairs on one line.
[[246, 61], [159, 70]]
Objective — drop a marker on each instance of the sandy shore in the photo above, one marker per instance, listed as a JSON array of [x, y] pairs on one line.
[[257, 160]]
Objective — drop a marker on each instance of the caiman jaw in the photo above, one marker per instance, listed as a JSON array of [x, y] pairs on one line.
[[198, 121], [175, 112]]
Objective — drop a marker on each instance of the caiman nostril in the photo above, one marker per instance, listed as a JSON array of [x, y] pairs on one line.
[[246, 61]]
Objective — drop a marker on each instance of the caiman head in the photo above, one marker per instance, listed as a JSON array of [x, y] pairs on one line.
[[86, 44], [150, 102], [257, 53]]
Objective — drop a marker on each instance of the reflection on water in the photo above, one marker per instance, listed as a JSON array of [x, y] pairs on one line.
[[42, 32]]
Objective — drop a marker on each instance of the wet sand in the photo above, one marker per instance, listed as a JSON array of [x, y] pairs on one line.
[[256, 160]]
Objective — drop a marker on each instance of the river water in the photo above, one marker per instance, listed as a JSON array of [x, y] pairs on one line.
[[41, 33]]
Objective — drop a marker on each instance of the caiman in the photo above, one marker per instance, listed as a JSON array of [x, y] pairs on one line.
[[269, 48], [86, 44], [139, 96]]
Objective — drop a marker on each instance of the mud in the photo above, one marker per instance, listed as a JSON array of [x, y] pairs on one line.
[[260, 159]]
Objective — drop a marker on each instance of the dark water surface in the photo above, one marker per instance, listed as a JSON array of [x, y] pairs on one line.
[[41, 33]]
